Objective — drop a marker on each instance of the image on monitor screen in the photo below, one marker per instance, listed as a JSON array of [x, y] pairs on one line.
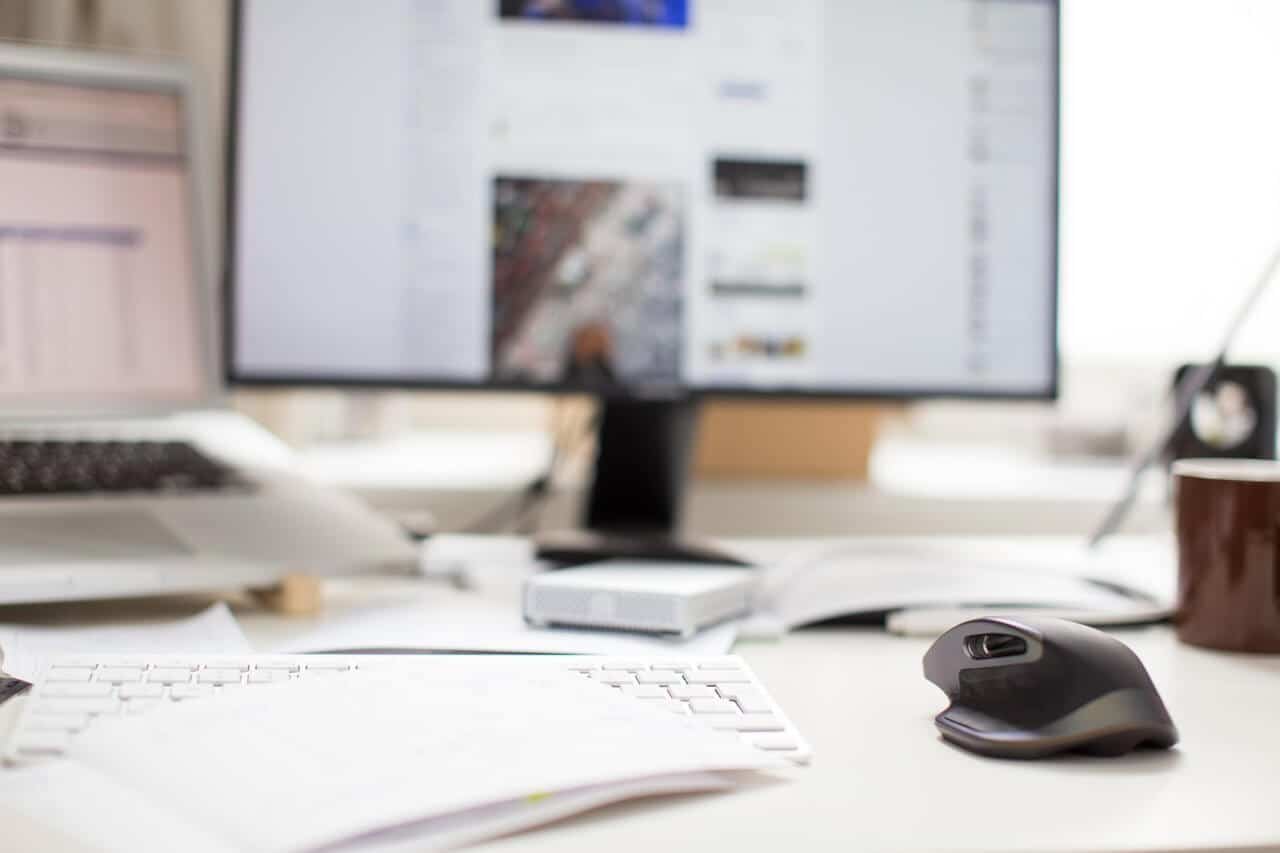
[[588, 281], [654, 13]]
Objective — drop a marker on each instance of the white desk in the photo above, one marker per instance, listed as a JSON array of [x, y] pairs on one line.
[[881, 778]]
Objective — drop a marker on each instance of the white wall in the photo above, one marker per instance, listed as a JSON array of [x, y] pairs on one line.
[[1171, 176]]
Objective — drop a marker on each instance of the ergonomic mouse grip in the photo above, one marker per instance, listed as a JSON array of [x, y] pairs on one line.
[[1027, 688]]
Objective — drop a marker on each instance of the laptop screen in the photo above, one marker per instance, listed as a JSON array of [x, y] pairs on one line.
[[97, 288]]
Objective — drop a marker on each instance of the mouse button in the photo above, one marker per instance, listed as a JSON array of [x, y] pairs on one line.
[[1103, 668]]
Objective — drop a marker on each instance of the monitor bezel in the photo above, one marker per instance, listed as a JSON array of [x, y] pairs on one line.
[[233, 375]]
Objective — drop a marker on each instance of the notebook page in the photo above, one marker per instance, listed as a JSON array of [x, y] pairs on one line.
[[296, 766], [473, 825], [66, 806]]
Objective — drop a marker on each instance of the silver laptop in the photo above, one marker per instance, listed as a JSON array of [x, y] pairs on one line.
[[122, 471]]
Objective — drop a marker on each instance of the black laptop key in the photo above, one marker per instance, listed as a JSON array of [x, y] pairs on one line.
[[69, 467]]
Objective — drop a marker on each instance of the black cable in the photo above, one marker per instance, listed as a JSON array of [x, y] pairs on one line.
[[516, 510], [1184, 398]]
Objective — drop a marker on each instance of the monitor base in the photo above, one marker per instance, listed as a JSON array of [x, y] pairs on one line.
[[577, 547]]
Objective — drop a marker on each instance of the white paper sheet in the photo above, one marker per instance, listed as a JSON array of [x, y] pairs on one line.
[[474, 825], [24, 649], [467, 622], [68, 807], [297, 766]]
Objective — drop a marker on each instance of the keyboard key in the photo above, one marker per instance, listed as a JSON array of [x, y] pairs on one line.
[[616, 679], [141, 691], [671, 705], [69, 673], [191, 691], [696, 691], [712, 706], [718, 676], [89, 690], [218, 676], [332, 665], [645, 691], [51, 466], [277, 666], [119, 674], [659, 678], [779, 743], [268, 676], [225, 663], [747, 722], [169, 675], [749, 699]]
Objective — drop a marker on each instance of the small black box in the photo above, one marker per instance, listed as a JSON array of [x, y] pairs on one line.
[[1233, 417]]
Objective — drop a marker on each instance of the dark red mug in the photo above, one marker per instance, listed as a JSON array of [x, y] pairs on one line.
[[1228, 524]]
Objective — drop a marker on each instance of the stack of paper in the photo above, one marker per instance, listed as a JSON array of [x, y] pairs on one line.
[[468, 751]]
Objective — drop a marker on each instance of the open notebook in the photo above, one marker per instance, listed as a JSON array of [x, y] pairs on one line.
[[1131, 580], [468, 749]]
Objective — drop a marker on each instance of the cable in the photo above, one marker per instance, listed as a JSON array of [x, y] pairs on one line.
[[1184, 396], [522, 510]]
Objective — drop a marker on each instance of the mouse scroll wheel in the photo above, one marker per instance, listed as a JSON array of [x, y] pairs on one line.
[[987, 646]]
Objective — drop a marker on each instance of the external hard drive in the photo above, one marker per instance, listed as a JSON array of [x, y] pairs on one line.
[[660, 598]]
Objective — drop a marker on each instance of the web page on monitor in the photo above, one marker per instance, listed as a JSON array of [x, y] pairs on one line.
[[811, 195], [96, 287]]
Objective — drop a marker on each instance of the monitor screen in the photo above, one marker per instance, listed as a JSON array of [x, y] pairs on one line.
[[815, 196], [97, 283]]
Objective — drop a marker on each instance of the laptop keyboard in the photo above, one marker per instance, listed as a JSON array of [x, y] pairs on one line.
[[77, 467]]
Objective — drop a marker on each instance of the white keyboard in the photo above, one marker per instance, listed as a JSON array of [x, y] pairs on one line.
[[73, 692]]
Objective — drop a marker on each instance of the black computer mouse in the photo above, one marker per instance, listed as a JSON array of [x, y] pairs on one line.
[[1027, 688]]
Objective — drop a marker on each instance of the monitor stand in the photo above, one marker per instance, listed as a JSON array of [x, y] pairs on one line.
[[633, 509]]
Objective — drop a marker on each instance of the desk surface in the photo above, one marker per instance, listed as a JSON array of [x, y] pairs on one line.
[[917, 487], [882, 779]]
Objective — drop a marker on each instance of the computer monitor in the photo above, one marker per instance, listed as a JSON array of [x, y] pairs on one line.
[[648, 200]]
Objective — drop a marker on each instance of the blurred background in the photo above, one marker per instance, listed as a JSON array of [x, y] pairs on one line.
[[1170, 204]]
